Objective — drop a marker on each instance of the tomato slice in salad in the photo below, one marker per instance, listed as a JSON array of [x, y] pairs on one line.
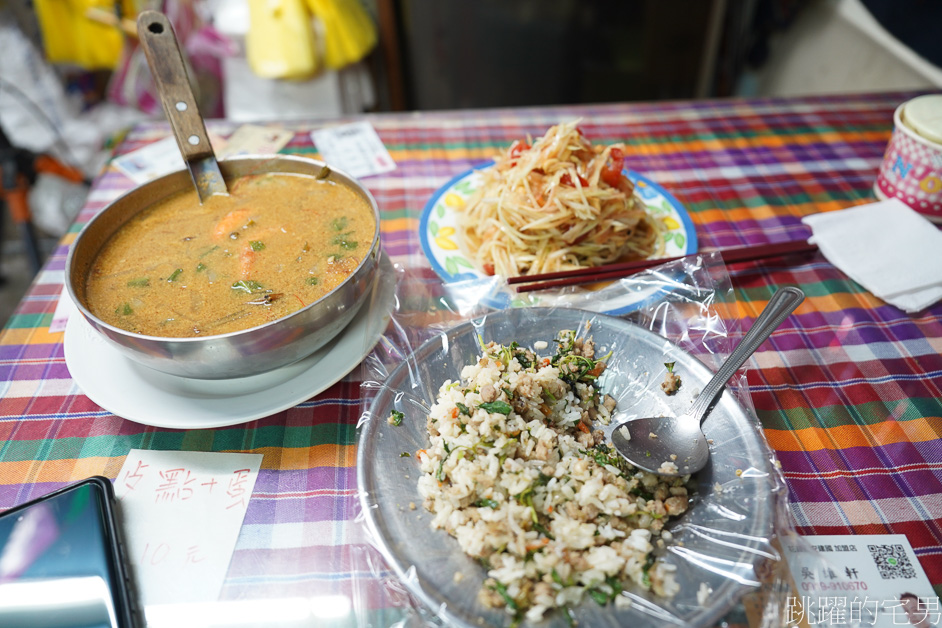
[[612, 172]]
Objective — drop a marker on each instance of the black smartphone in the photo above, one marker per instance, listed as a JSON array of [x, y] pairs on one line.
[[62, 561]]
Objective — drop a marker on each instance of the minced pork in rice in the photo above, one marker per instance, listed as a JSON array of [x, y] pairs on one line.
[[516, 474]]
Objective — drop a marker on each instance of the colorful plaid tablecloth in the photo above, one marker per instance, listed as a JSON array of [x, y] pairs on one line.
[[848, 389]]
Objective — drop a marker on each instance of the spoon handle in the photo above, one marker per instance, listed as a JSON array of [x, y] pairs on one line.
[[170, 75], [782, 303], [168, 69]]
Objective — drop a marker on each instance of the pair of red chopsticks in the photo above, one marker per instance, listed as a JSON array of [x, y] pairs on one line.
[[617, 271]]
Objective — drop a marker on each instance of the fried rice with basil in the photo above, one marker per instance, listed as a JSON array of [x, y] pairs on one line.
[[517, 475]]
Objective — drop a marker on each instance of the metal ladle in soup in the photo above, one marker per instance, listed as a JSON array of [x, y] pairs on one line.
[[277, 243]]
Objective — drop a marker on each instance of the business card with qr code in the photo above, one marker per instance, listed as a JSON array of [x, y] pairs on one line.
[[865, 581]]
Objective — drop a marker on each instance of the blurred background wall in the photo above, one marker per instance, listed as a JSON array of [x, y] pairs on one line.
[[531, 52]]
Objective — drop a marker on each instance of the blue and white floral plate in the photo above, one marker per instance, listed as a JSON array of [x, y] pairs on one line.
[[441, 242]]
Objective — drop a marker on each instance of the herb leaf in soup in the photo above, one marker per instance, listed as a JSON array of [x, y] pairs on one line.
[[200, 267], [247, 285], [313, 281], [342, 241], [175, 275], [140, 282], [124, 309], [257, 245], [339, 224]]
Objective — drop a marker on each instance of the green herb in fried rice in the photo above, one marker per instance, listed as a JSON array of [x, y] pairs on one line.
[[518, 473], [671, 383]]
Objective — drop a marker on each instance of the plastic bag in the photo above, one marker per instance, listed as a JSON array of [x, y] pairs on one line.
[[348, 31], [55, 203], [280, 42], [69, 36], [203, 50], [723, 549]]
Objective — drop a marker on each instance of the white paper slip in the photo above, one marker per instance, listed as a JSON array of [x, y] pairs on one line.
[[182, 512], [251, 139], [866, 580], [157, 159], [354, 148]]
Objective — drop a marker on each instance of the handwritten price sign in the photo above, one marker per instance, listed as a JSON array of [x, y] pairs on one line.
[[182, 514]]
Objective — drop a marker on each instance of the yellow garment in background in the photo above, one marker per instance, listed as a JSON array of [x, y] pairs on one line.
[[130, 8], [70, 37], [349, 33], [280, 41]]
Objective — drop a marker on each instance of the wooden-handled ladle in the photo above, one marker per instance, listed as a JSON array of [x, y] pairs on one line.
[[166, 65]]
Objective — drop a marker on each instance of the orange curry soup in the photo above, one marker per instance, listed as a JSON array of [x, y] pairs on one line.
[[277, 243]]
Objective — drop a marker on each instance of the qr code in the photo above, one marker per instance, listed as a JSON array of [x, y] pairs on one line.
[[892, 561]]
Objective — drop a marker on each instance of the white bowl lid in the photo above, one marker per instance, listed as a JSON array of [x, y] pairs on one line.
[[923, 115]]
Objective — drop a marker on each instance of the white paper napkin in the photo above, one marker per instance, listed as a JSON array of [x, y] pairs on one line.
[[887, 248]]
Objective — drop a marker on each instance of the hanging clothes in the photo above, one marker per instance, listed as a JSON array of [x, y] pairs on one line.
[[283, 43], [280, 42], [70, 36], [349, 32]]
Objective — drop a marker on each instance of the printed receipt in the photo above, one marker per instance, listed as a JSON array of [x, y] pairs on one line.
[[862, 580], [354, 148], [163, 156], [157, 159], [181, 515]]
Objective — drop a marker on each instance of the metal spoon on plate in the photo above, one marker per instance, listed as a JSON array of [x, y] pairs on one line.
[[169, 71], [673, 446]]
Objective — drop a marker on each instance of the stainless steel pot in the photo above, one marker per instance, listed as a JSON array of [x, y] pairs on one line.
[[241, 353]]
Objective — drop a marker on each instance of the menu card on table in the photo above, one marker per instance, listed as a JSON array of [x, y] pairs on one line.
[[163, 156], [182, 512], [157, 159]]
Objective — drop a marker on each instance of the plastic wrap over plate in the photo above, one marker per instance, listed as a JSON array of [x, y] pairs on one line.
[[719, 545]]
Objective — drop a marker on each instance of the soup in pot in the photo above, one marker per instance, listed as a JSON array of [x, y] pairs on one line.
[[277, 243]]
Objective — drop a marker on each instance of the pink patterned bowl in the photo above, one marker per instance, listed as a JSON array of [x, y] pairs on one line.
[[912, 169]]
